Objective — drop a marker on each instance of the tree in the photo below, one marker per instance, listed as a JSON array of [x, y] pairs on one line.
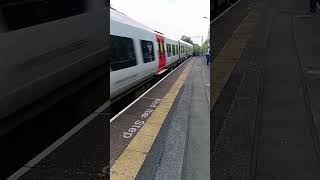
[[186, 39], [204, 46], [196, 50]]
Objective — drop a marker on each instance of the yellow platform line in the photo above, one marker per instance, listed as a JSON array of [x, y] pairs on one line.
[[130, 161], [223, 65]]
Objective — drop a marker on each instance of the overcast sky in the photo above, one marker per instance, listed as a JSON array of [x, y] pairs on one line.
[[171, 17]]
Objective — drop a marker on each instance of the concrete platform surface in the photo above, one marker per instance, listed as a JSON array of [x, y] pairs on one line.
[[270, 130], [182, 148]]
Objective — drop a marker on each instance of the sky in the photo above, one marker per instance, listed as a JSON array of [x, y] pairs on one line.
[[173, 18]]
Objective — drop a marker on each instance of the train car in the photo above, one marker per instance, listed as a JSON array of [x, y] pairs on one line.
[[184, 49], [45, 45], [138, 53], [216, 5], [133, 53], [181, 49], [172, 49], [189, 50]]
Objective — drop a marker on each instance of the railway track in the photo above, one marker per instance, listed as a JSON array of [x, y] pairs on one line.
[[133, 96], [33, 136], [220, 6]]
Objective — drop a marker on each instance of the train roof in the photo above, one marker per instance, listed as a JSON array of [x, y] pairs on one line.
[[186, 43], [116, 15]]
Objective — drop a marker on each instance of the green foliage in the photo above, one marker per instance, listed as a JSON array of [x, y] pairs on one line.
[[204, 46], [196, 50]]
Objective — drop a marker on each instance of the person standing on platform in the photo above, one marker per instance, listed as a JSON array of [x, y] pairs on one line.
[[208, 57]]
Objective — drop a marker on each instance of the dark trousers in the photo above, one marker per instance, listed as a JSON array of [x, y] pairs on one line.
[[208, 59]]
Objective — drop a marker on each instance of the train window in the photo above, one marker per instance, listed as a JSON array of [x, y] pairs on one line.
[[122, 53], [173, 50], [19, 14], [147, 51], [168, 50]]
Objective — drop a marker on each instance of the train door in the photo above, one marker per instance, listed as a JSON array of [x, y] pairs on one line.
[[179, 50], [161, 52]]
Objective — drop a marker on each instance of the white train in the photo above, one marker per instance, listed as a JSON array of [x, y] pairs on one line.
[[44, 46], [139, 52]]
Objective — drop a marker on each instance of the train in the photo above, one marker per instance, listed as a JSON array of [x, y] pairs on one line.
[[218, 5], [139, 52], [46, 46]]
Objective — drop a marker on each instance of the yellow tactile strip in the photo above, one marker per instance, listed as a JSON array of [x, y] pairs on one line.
[[230, 54], [130, 161]]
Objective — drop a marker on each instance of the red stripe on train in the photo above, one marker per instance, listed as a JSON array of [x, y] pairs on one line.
[[161, 52]]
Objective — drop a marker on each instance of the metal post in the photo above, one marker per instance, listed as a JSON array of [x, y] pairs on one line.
[[201, 44], [313, 6]]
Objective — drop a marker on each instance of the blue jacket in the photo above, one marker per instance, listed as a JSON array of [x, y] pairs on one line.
[[208, 56]]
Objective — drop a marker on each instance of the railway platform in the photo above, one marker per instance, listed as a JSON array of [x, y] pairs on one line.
[[265, 88], [163, 134]]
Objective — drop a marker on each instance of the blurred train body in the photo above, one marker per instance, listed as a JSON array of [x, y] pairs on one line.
[[45, 45], [217, 4], [139, 52]]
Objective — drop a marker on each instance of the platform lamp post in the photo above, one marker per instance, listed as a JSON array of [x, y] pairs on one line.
[[201, 45], [200, 36], [208, 31]]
